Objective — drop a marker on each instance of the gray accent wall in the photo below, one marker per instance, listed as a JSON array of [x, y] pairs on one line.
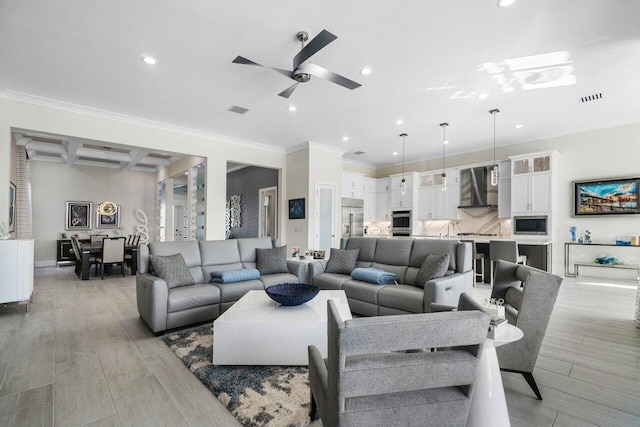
[[247, 182]]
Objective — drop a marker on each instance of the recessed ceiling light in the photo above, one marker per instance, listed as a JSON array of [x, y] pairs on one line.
[[518, 126], [445, 142], [186, 173], [395, 153], [345, 138], [292, 108], [483, 96], [365, 71], [149, 60], [505, 3], [399, 121]]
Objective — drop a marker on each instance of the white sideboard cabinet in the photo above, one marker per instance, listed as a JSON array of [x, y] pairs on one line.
[[16, 268]]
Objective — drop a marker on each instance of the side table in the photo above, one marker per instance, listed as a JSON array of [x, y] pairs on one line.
[[488, 404]]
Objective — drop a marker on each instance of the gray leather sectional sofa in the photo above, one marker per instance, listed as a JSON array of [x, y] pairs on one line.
[[165, 308], [403, 257]]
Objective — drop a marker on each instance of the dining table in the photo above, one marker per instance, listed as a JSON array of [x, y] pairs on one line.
[[95, 248]]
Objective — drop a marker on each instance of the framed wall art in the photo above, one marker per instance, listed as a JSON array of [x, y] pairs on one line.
[[296, 209], [606, 197], [12, 207], [108, 221], [79, 215]]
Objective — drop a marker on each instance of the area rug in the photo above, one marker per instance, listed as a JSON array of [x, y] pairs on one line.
[[274, 396]]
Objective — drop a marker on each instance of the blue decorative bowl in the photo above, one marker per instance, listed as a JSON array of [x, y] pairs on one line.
[[292, 293]]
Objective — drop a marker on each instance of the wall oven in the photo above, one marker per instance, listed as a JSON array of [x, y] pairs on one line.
[[531, 224], [401, 223]]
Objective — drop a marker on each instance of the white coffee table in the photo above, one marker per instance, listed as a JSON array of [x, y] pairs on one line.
[[258, 331]]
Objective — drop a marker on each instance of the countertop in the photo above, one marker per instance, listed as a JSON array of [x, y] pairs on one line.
[[487, 239]]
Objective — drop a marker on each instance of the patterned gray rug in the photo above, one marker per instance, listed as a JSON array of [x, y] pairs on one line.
[[271, 396]]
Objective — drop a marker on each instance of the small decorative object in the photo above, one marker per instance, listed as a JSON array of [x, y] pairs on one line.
[[142, 230], [78, 215], [292, 293], [573, 230], [317, 254], [109, 221], [587, 236], [608, 260], [493, 306], [12, 207], [296, 209], [295, 252], [233, 212], [623, 240]]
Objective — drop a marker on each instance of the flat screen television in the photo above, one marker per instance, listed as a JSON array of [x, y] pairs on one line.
[[606, 197]]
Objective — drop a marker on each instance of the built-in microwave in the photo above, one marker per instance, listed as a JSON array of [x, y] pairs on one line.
[[531, 224], [401, 223]]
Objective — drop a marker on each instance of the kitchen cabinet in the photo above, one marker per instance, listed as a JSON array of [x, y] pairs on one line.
[[531, 193], [383, 199], [408, 200], [370, 199], [352, 185], [433, 202], [504, 189]]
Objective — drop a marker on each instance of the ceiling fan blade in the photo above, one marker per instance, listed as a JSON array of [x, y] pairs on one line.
[[318, 42], [288, 91], [245, 61], [323, 73]]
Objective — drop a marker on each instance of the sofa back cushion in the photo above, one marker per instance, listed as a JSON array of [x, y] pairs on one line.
[[393, 252], [190, 251], [367, 246], [247, 248], [219, 255]]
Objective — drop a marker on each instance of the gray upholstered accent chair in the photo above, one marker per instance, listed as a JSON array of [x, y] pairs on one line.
[[529, 296], [112, 253], [506, 250], [372, 378]]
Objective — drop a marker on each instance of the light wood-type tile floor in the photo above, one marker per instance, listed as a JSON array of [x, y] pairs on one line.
[[83, 357]]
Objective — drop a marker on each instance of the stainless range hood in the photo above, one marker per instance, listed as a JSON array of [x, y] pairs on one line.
[[476, 190]]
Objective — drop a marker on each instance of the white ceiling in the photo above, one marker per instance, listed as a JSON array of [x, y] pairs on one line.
[[430, 61]]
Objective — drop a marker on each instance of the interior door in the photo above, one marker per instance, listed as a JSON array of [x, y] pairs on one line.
[[325, 217]]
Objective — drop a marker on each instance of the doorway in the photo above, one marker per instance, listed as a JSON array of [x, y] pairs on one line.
[[268, 212], [325, 218]]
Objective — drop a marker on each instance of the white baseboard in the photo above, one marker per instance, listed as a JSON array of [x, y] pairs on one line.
[[46, 263]]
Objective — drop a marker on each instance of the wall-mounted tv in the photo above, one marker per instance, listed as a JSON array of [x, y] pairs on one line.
[[606, 197]]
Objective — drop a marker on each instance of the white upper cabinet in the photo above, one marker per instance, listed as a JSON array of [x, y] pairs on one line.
[[433, 202], [532, 178]]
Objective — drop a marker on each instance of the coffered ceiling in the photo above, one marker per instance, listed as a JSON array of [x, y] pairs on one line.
[[551, 67]]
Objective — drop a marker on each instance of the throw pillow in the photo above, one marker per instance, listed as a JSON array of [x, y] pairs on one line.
[[433, 267], [271, 261], [342, 261], [172, 269]]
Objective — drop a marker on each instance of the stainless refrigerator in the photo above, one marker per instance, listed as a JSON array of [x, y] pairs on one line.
[[352, 217]]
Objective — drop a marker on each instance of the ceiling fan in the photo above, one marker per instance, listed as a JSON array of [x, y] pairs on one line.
[[302, 68]]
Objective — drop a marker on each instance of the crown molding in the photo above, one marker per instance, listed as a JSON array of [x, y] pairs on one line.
[[311, 144], [358, 163], [110, 115]]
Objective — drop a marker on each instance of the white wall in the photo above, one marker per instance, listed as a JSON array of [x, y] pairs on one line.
[[56, 183]]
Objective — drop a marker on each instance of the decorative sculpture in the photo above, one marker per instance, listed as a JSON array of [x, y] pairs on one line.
[[232, 212], [142, 230]]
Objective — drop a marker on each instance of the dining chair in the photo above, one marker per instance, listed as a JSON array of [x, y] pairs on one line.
[[77, 251], [97, 238], [112, 253], [506, 250], [128, 253]]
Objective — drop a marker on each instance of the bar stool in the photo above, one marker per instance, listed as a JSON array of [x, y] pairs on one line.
[[506, 250], [475, 257]]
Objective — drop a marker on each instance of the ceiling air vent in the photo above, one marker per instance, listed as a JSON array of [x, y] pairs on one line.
[[236, 109], [358, 153], [593, 97]]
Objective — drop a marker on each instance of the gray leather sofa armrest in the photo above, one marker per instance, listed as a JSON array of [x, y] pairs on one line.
[[298, 269], [439, 308], [444, 290], [316, 267], [152, 295]]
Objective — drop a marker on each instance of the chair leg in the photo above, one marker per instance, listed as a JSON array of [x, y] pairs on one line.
[[314, 408], [122, 268], [528, 376]]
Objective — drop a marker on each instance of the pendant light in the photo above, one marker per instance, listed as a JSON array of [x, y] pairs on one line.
[[444, 142], [494, 169], [403, 183], [107, 208]]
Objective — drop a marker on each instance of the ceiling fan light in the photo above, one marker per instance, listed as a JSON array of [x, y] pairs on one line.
[[150, 60]]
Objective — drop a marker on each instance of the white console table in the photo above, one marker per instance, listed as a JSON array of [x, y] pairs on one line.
[[16, 268]]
